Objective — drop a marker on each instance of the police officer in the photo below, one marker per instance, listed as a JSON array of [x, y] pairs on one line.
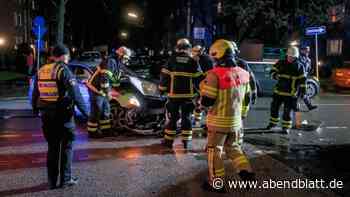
[[178, 80], [115, 61], [206, 63], [306, 62], [55, 94], [252, 81], [224, 90], [99, 123], [291, 77]]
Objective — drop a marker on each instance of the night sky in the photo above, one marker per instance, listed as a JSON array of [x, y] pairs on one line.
[[97, 22]]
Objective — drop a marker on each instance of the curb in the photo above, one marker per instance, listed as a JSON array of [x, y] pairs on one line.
[[16, 113], [13, 98]]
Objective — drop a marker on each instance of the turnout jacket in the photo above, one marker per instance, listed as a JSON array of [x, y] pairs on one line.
[[99, 82], [291, 78], [226, 91], [180, 77]]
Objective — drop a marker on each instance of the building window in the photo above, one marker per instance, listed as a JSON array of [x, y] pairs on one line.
[[19, 40], [19, 19], [15, 17], [33, 5], [220, 7], [334, 47]]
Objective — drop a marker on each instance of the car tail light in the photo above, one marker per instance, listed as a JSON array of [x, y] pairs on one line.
[[339, 74]]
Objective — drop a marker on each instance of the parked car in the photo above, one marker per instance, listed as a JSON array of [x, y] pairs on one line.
[[341, 76], [91, 56], [265, 84]]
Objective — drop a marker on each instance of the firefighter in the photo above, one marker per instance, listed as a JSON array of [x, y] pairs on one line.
[[115, 61], [306, 62], [224, 90], [99, 123], [55, 94], [206, 63], [291, 77], [179, 79]]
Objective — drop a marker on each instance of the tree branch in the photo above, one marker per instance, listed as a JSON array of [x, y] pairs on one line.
[[54, 3]]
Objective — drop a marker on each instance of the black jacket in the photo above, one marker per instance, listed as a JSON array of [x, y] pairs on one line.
[[205, 63], [180, 77], [290, 76]]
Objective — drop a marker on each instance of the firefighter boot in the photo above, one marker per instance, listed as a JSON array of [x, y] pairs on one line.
[[187, 144], [246, 176], [167, 143]]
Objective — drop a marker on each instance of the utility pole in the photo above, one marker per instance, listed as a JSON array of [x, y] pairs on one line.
[[60, 17], [188, 26]]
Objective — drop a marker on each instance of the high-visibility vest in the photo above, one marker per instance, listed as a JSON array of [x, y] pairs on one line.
[[47, 82]]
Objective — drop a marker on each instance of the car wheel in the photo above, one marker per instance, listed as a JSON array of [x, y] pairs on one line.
[[259, 89], [312, 89]]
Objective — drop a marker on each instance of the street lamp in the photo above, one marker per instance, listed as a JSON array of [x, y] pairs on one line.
[[2, 42], [133, 15], [124, 34]]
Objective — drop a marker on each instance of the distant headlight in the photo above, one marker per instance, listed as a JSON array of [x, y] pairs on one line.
[[145, 87]]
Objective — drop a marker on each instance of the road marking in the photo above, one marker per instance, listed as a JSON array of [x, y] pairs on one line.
[[334, 104], [335, 127]]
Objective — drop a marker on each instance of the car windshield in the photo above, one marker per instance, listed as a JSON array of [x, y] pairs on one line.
[[344, 65]]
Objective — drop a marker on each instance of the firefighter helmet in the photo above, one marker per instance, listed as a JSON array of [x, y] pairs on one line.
[[123, 52], [197, 49], [183, 44], [293, 52], [221, 48]]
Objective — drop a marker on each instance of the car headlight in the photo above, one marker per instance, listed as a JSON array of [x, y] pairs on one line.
[[145, 87], [133, 102]]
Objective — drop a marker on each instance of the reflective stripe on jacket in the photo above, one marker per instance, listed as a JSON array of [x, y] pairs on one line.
[[290, 76], [47, 82], [180, 78], [229, 87]]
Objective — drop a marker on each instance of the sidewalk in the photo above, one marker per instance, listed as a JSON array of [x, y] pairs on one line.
[[14, 106]]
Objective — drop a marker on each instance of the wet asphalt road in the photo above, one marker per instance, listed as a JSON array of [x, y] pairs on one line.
[[138, 166]]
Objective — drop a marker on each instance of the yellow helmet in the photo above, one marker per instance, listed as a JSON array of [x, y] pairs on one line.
[[220, 48]]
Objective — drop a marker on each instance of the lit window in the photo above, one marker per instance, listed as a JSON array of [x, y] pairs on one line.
[[334, 47], [220, 8]]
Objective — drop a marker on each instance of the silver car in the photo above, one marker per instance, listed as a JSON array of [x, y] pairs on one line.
[[265, 83]]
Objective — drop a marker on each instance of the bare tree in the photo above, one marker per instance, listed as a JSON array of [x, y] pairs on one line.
[[60, 5]]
